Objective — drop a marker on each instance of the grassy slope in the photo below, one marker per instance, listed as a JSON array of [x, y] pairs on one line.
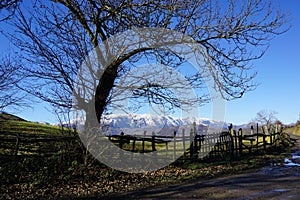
[[6, 116], [12, 127], [294, 130], [24, 127], [10, 124]]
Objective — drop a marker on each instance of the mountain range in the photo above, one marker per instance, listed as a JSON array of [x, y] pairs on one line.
[[162, 125]]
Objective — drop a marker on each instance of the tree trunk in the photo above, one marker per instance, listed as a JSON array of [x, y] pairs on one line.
[[103, 89]]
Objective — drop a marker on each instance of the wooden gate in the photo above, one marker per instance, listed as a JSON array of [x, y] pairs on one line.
[[213, 146], [224, 148]]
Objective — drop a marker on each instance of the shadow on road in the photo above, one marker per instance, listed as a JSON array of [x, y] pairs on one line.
[[273, 182]]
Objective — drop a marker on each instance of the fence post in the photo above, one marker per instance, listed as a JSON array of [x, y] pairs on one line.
[[235, 147], [17, 144], [264, 141], [257, 138], [167, 149], [133, 143], [195, 134], [191, 144], [195, 145], [183, 140], [216, 139], [271, 138], [143, 141], [174, 152], [208, 144], [240, 135], [121, 140], [232, 147], [153, 141], [195, 128]]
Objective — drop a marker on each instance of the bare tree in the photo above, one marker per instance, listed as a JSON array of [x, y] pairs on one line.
[[11, 96], [266, 118], [58, 35]]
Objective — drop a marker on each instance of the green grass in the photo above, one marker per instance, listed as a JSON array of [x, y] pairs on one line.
[[24, 127], [32, 152], [294, 130], [6, 116], [147, 146], [12, 128]]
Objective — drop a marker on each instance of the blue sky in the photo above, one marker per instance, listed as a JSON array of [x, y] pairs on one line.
[[278, 75]]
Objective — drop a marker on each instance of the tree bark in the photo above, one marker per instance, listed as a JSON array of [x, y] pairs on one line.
[[106, 83]]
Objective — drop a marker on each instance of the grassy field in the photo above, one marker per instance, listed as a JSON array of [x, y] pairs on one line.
[[10, 124], [33, 128], [21, 137], [34, 153]]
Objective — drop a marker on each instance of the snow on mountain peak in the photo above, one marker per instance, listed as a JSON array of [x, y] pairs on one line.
[[137, 123]]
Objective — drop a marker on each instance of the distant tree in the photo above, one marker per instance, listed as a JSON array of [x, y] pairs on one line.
[[266, 118], [57, 35], [298, 121], [278, 122]]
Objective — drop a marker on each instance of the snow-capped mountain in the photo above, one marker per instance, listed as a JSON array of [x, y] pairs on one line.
[[163, 125], [139, 124]]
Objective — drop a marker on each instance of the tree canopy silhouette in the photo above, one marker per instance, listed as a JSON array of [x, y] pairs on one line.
[[56, 36]]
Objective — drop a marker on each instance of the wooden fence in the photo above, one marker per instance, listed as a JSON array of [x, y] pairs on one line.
[[229, 144], [30, 144], [191, 144]]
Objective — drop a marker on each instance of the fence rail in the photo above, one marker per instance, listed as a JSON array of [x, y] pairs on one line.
[[192, 144], [16, 143], [228, 144]]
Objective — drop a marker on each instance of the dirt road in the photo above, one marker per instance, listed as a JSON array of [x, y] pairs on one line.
[[273, 182], [266, 183]]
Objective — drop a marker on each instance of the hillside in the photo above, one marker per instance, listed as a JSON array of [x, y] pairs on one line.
[[294, 129], [21, 137], [11, 124], [6, 116]]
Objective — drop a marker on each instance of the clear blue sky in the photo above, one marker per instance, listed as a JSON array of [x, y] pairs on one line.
[[278, 75]]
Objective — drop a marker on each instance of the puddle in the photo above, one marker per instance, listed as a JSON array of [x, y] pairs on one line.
[[295, 156], [294, 161], [263, 193], [281, 190], [290, 163]]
